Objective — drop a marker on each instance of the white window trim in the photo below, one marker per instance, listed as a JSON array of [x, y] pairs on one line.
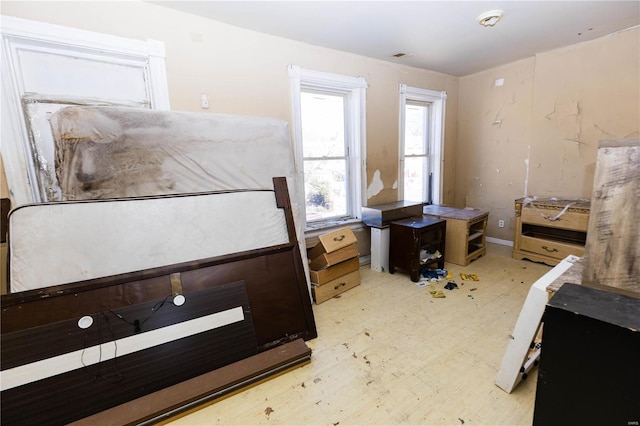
[[15, 142], [438, 100], [300, 78]]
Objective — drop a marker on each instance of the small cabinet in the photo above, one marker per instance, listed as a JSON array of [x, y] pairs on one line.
[[409, 237], [466, 229]]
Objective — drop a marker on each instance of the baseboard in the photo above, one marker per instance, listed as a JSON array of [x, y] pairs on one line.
[[499, 241], [365, 260]]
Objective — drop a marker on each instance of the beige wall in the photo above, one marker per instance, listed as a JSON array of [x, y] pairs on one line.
[[538, 134], [245, 72], [501, 142]]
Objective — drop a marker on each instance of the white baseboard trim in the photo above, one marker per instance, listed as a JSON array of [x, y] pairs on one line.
[[499, 241]]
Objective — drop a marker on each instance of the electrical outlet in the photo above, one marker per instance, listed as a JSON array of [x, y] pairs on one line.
[[501, 223]]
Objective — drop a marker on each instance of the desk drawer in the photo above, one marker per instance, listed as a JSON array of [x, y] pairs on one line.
[[569, 220], [555, 249], [333, 241], [324, 292]]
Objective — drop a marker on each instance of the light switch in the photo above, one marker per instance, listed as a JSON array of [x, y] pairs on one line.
[[204, 101]]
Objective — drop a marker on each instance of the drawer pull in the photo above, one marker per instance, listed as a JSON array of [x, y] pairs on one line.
[[340, 285], [550, 250], [340, 238]]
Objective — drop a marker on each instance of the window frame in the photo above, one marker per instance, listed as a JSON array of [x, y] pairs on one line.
[[435, 143], [354, 89]]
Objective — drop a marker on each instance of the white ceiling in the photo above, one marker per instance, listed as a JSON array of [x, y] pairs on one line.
[[442, 36]]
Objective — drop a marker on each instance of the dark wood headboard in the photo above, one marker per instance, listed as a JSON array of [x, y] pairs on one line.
[[268, 283]]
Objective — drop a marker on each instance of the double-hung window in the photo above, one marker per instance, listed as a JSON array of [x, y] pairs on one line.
[[328, 117], [421, 144]]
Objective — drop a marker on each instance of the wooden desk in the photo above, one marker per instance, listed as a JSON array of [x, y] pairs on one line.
[[409, 236]]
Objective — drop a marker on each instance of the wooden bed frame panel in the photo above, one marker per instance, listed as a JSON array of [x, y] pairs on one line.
[[279, 311], [84, 391]]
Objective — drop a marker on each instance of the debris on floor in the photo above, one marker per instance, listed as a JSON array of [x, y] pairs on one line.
[[451, 285], [428, 256], [437, 274], [470, 277], [422, 283], [435, 293]]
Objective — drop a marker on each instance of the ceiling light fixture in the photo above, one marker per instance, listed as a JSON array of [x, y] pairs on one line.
[[490, 18]]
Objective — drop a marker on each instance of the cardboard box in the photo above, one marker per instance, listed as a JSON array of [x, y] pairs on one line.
[[322, 293], [328, 274]]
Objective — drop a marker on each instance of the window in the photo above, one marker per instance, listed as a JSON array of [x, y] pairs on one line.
[[328, 119], [47, 67], [421, 144]]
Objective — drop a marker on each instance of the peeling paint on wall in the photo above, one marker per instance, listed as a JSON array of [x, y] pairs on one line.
[[375, 186], [526, 174]]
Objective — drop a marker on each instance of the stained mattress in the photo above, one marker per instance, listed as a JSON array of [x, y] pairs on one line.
[[113, 152]]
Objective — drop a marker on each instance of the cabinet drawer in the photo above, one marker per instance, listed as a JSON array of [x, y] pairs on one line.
[[550, 248], [324, 292], [569, 220], [329, 274], [329, 259], [333, 241]]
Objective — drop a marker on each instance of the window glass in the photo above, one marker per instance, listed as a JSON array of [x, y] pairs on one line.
[[328, 134], [422, 113], [416, 172]]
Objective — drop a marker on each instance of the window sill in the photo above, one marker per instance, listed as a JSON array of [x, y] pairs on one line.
[[319, 228]]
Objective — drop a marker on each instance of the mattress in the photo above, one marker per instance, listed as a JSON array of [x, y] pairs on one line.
[[106, 152], [60, 243], [113, 152]]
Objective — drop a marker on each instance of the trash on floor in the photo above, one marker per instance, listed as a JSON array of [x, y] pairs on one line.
[[427, 256], [435, 293], [451, 285], [433, 273], [471, 277]]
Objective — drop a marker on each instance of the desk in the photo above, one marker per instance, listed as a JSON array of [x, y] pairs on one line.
[[409, 236]]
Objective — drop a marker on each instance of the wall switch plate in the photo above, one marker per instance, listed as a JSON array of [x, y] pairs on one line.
[[204, 101]]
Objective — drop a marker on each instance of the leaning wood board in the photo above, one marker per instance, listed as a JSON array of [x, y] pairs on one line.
[[613, 241], [60, 372], [179, 399], [278, 311]]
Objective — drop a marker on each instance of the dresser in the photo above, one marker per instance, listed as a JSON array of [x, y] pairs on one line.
[[548, 230], [409, 238]]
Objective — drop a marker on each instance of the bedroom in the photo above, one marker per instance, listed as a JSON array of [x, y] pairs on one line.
[[536, 134]]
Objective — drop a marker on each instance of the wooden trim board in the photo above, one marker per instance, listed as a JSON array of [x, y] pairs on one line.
[[210, 387]]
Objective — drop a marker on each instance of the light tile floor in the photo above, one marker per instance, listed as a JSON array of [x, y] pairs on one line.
[[388, 354]]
